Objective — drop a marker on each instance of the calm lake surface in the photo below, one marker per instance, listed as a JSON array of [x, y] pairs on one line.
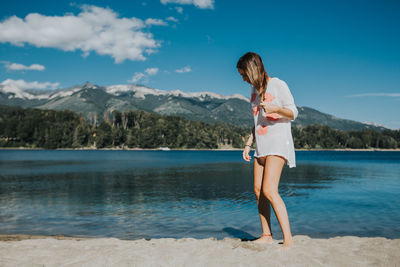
[[199, 194]]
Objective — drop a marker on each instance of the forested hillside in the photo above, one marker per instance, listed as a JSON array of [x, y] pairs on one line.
[[62, 129], [37, 128]]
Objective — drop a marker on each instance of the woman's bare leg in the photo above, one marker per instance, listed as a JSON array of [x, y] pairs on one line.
[[272, 175], [264, 207]]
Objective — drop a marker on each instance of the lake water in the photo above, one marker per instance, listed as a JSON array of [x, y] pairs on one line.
[[199, 194]]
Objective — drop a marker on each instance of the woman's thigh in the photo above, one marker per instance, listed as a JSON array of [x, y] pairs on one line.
[[272, 173], [258, 173]]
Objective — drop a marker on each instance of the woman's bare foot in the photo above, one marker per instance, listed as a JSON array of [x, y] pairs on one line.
[[287, 244], [263, 240]]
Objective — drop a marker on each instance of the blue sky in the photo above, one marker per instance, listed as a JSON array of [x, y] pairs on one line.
[[339, 57]]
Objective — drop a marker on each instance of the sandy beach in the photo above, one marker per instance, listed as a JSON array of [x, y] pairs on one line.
[[25, 250]]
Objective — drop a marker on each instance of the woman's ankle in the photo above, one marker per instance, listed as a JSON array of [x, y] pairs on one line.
[[288, 238], [288, 241]]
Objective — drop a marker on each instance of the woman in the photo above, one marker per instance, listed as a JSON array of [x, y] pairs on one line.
[[273, 109]]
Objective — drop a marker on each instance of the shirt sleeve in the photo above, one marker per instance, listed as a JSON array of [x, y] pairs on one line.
[[287, 100]]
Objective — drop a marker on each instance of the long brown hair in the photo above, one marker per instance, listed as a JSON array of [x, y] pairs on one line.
[[252, 66]]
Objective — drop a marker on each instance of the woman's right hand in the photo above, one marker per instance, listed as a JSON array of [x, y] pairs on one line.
[[246, 152]]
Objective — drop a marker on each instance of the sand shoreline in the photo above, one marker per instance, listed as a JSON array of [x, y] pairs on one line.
[[20, 237], [32, 250]]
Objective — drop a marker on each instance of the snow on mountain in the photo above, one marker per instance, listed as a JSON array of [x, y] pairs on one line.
[[14, 92], [374, 124], [69, 91], [64, 93], [140, 92], [203, 95]]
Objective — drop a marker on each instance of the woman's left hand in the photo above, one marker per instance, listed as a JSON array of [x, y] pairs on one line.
[[269, 107], [246, 152]]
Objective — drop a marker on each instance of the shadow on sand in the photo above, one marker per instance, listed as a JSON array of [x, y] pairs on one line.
[[242, 235]]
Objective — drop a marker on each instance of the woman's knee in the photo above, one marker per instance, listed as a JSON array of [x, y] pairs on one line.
[[270, 194]]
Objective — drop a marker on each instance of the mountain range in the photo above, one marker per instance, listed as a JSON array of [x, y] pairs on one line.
[[88, 99]]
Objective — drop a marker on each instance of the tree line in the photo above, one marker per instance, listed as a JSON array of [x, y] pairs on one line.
[[322, 136], [50, 129]]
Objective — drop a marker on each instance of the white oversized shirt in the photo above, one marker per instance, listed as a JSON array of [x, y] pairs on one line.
[[273, 132]]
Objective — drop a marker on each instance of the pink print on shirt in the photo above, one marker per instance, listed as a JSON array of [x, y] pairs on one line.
[[268, 98], [273, 116], [262, 129]]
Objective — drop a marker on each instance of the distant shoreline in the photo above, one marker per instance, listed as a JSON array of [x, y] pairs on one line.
[[199, 149]]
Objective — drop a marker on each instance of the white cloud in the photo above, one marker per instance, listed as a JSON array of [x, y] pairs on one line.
[[151, 71], [17, 66], [173, 19], [140, 76], [21, 84], [376, 94], [157, 22], [198, 3], [136, 77], [184, 69], [93, 29], [179, 9]]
